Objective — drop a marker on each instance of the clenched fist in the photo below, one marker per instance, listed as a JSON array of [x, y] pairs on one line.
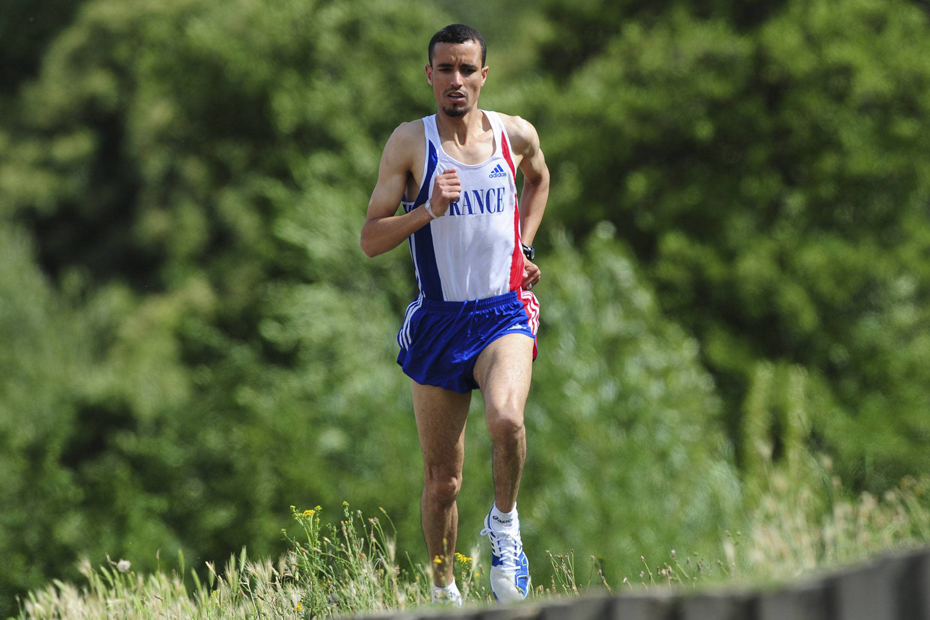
[[531, 274], [446, 189]]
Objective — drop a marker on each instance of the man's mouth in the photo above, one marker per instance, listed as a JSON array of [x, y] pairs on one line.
[[456, 96]]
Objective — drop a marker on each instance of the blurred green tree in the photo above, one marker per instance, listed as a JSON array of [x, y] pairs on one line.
[[160, 163], [26, 29], [192, 339], [772, 181]]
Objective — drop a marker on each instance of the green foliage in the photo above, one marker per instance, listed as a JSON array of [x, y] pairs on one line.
[[39, 366], [26, 28], [191, 339], [177, 181], [772, 182], [351, 568], [626, 386]]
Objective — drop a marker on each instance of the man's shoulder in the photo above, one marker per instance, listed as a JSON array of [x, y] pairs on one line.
[[521, 132], [405, 145], [408, 135], [514, 123]]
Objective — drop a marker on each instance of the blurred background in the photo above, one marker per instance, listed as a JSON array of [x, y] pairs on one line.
[[735, 256]]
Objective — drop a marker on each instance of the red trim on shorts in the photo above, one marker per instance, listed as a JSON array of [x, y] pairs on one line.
[[531, 307]]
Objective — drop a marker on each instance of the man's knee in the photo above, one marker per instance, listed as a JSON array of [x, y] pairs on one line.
[[505, 421], [442, 486]]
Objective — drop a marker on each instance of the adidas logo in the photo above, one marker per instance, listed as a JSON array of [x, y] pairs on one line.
[[497, 172]]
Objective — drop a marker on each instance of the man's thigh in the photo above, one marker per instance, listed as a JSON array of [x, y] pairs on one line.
[[441, 416], [504, 371]]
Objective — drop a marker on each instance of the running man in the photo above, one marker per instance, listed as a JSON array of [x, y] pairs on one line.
[[474, 323]]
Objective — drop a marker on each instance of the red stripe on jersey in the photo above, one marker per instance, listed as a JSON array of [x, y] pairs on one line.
[[516, 261], [506, 152]]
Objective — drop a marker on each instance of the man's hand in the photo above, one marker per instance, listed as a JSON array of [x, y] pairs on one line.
[[446, 189], [531, 274]]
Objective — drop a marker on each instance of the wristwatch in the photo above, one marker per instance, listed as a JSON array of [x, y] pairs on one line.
[[529, 251]]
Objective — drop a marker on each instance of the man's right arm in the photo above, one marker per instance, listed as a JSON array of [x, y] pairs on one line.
[[384, 231]]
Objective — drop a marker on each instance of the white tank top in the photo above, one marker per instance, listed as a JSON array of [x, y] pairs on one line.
[[474, 250]]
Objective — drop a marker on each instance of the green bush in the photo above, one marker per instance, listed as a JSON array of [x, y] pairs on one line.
[[191, 339]]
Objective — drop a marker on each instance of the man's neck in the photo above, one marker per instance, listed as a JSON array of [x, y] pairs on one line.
[[461, 129]]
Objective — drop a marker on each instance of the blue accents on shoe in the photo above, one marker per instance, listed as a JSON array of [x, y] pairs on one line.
[[510, 574]]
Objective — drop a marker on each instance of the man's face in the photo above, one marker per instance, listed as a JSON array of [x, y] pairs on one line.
[[456, 76]]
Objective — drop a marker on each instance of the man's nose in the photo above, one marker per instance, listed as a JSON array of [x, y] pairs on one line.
[[457, 78]]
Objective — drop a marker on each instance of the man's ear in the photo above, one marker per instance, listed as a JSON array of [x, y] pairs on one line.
[[429, 74]]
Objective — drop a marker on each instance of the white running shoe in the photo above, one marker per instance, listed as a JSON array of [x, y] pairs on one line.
[[449, 596], [510, 573]]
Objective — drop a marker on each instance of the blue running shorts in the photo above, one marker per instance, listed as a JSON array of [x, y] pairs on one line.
[[440, 341]]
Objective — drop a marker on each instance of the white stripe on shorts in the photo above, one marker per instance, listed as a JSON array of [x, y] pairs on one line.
[[404, 336]]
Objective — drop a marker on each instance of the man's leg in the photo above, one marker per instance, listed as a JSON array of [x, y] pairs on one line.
[[441, 416], [503, 371]]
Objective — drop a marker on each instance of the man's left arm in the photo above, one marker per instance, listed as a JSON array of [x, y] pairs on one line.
[[535, 194], [525, 142]]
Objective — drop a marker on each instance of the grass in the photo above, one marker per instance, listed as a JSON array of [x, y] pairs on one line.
[[351, 568]]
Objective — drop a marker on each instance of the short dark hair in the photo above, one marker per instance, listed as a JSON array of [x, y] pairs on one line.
[[458, 33]]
